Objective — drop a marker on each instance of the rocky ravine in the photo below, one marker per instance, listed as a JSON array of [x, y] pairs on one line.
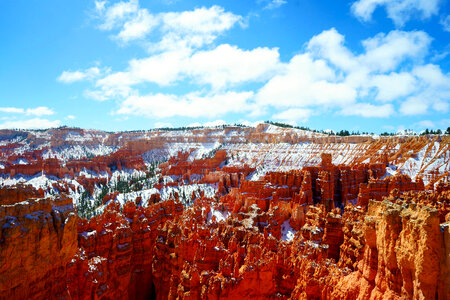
[[320, 220]]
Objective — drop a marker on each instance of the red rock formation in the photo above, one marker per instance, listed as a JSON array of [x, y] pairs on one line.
[[180, 165], [10, 195], [116, 251], [230, 247], [378, 188], [37, 241], [401, 256], [333, 233]]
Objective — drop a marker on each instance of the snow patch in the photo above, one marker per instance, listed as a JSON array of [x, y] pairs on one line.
[[287, 232]]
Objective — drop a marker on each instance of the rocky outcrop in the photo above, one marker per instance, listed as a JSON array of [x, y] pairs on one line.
[[336, 229], [402, 256], [377, 189], [116, 250], [10, 195], [37, 241]]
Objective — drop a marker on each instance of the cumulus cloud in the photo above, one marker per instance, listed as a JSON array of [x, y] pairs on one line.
[[220, 67], [305, 82], [115, 14], [210, 80], [394, 48], [424, 124], [193, 28], [433, 91], [400, 11], [273, 4], [13, 110], [391, 49], [294, 115], [394, 85], [413, 106], [79, 75], [228, 64], [191, 105], [330, 75], [35, 123], [40, 111], [37, 111], [138, 27], [368, 110]]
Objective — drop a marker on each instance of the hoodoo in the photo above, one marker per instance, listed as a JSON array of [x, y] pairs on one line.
[[201, 214]]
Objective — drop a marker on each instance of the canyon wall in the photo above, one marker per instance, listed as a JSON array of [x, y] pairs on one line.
[[334, 218]]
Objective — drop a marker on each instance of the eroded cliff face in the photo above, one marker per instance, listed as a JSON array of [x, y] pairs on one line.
[[37, 241], [402, 255], [116, 249], [349, 230], [396, 248]]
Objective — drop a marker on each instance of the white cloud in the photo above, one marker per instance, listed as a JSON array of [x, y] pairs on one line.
[[201, 20], [228, 64], [35, 123], [445, 22], [40, 111], [391, 49], [329, 75], [220, 67], [138, 27], [273, 4], [368, 110], [305, 82], [294, 114], [400, 11], [433, 91], [329, 44], [424, 124], [114, 15], [163, 69], [394, 85], [70, 117], [99, 6], [175, 30], [73, 76], [326, 76], [413, 106], [13, 110], [190, 105], [394, 48]]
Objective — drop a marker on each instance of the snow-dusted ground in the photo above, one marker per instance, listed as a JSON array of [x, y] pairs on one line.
[[284, 157], [184, 192], [432, 157], [78, 151], [199, 150], [37, 181], [287, 232], [221, 216]]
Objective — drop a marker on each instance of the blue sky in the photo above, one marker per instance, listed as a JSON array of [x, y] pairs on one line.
[[367, 65]]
